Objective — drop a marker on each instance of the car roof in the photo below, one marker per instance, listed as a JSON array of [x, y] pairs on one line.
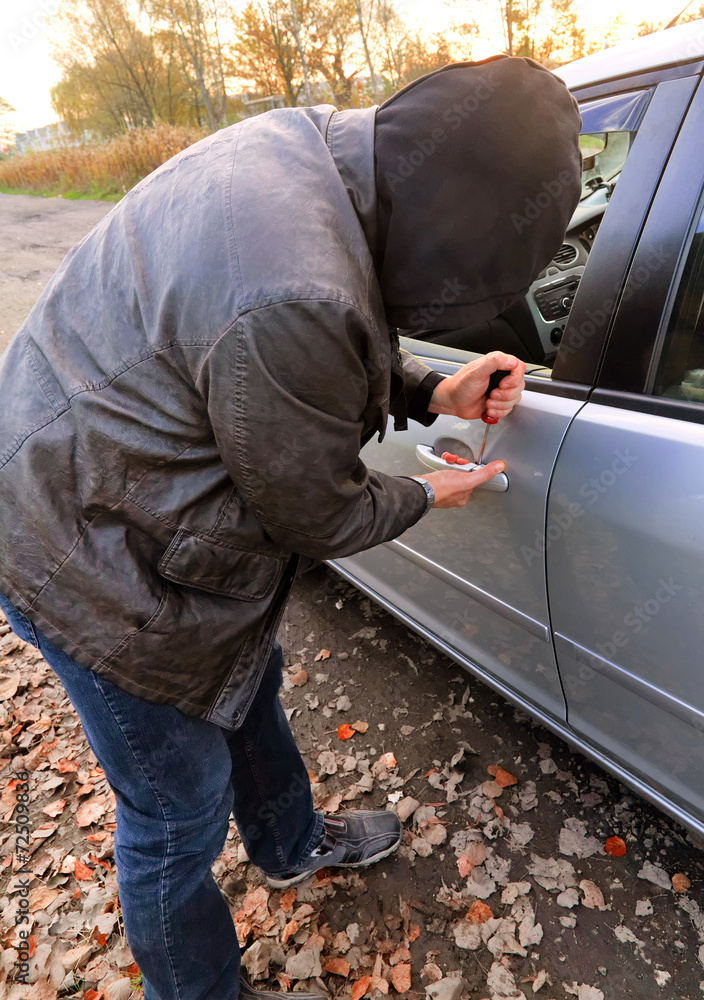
[[670, 47]]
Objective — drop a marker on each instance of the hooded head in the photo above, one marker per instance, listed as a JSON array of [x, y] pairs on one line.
[[478, 172]]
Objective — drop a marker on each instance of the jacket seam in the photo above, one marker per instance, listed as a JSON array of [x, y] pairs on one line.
[[20, 439], [138, 359], [54, 402], [202, 535], [232, 592], [130, 635], [231, 237]]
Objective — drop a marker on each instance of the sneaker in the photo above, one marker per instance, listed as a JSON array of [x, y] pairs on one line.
[[247, 992], [351, 840]]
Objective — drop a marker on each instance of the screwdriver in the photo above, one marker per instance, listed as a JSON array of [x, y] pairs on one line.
[[493, 384]]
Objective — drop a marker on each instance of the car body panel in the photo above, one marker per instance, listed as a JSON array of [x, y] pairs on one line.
[[626, 592], [476, 576], [681, 44]]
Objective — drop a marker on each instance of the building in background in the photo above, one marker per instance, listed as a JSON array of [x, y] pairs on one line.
[[46, 137]]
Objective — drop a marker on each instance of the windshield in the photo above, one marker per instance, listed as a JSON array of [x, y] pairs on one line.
[[603, 157]]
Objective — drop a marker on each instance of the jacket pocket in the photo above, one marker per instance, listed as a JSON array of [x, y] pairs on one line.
[[220, 569]]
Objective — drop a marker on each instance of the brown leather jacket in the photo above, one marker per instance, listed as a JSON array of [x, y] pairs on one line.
[[183, 411]]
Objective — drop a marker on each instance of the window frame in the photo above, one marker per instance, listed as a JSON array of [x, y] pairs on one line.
[[645, 306], [583, 346]]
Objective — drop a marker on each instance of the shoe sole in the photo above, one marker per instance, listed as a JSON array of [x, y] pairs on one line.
[[277, 883]]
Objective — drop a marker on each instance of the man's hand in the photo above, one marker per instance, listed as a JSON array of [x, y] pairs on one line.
[[453, 489], [464, 394]]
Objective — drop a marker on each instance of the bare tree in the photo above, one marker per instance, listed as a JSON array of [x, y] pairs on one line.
[[196, 25], [365, 10]]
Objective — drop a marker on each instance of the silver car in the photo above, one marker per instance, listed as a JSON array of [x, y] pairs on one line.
[[578, 591]]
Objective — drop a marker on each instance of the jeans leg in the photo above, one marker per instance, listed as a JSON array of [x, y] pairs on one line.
[[171, 777], [273, 805]]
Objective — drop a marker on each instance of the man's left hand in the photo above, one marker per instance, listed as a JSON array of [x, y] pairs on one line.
[[464, 394]]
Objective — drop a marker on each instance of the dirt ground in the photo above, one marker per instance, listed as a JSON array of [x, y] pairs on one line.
[[501, 889], [35, 235]]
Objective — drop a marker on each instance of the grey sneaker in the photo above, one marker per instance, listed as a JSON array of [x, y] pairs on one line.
[[351, 840], [247, 992]]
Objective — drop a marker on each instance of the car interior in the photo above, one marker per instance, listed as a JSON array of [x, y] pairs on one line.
[[532, 327]]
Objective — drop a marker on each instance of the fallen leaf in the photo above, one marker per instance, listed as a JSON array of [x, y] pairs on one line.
[[593, 896], [338, 966], [540, 980], [680, 882], [90, 812], [479, 912], [287, 900], [615, 847], [324, 654], [401, 977], [289, 930], [98, 937], [54, 808], [82, 872], [66, 766], [345, 731], [40, 898], [464, 865], [9, 685], [299, 678], [655, 874], [360, 987], [406, 807], [501, 777], [359, 726]]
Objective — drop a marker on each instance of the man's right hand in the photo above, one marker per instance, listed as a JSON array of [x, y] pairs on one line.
[[453, 489]]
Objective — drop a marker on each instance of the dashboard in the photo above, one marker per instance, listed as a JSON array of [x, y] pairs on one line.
[[551, 295]]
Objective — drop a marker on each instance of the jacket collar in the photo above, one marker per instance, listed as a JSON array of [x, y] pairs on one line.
[[350, 139]]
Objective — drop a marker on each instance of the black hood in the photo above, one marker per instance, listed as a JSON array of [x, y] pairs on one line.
[[478, 172]]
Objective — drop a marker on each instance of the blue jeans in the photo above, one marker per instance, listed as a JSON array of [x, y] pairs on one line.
[[176, 779]]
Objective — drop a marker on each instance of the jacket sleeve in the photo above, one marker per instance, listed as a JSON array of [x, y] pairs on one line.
[[286, 390], [419, 381]]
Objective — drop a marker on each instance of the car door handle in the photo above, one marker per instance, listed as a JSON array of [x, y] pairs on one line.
[[426, 455]]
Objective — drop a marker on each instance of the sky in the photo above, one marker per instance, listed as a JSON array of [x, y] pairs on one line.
[[27, 70]]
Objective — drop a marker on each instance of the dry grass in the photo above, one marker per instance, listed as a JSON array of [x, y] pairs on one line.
[[105, 170]]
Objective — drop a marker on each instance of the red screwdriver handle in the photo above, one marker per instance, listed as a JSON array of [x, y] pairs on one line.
[[489, 420]]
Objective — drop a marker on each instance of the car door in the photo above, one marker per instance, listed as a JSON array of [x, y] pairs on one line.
[[473, 580], [626, 578]]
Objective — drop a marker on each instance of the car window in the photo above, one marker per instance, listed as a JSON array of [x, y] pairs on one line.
[[680, 372], [603, 157]]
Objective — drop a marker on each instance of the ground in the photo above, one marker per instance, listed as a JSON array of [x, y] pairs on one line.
[[35, 234], [503, 886]]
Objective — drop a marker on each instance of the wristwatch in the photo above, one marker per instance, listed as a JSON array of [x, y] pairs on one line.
[[429, 493]]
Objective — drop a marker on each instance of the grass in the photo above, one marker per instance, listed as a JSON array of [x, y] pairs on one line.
[[102, 171]]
